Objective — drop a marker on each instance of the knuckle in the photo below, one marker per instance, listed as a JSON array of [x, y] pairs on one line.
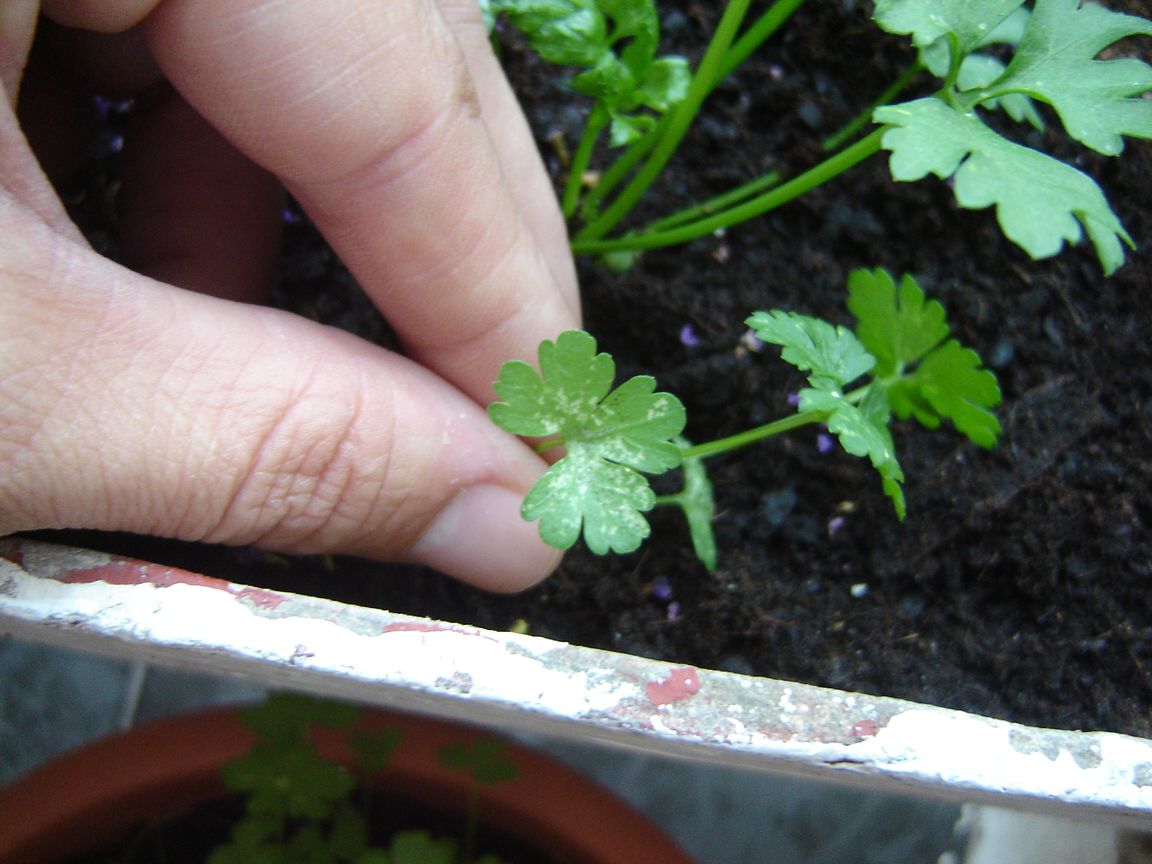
[[313, 482]]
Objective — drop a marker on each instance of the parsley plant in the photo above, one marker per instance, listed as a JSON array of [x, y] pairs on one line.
[[900, 361], [649, 103], [301, 807]]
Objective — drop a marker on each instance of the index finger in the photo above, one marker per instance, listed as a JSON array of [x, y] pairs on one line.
[[370, 115]]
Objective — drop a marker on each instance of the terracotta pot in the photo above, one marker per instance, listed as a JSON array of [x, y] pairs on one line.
[[88, 798]]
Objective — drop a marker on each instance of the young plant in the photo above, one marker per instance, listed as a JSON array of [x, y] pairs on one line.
[[303, 809], [900, 362], [1040, 202]]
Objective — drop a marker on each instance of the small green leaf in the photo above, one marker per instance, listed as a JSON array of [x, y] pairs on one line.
[[666, 84], [898, 326], [926, 21], [375, 749], [1040, 202], [928, 376], [284, 716], [862, 431], [833, 355], [610, 437], [1098, 100], [951, 382], [614, 42], [289, 779], [572, 381], [420, 847], [978, 71], [585, 492], [486, 759]]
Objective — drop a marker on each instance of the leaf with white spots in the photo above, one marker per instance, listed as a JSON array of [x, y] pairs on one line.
[[610, 437]]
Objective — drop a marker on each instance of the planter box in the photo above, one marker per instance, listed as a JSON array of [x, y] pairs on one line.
[[121, 607]]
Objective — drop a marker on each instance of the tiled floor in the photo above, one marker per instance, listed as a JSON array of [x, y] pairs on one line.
[[52, 700]]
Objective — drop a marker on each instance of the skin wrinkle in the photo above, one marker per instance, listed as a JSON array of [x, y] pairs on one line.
[[194, 430], [300, 470], [316, 485], [375, 483]]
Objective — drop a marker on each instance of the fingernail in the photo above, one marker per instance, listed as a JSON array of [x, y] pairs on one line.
[[481, 537]]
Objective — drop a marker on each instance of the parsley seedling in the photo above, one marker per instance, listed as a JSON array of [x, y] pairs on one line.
[[610, 438], [650, 103], [900, 361], [301, 807]]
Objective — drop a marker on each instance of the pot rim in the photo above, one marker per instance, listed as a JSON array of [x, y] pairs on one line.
[[85, 798]]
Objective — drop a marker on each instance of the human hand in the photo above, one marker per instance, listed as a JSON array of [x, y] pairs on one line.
[[150, 400]]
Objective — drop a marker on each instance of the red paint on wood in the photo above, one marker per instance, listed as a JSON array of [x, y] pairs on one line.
[[124, 571], [680, 684], [864, 728]]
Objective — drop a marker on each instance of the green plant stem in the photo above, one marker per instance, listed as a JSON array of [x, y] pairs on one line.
[[761, 30], [679, 121], [846, 132], [597, 120], [755, 36], [751, 436], [715, 205], [770, 200], [615, 173]]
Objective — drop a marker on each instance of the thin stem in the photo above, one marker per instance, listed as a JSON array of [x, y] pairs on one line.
[[751, 436], [681, 118], [549, 444], [580, 161], [718, 204], [615, 173], [810, 179], [849, 129], [765, 26], [755, 36]]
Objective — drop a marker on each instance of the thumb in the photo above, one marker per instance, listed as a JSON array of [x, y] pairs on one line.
[[127, 404]]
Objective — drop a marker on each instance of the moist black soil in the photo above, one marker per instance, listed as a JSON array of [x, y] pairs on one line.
[[1018, 585]]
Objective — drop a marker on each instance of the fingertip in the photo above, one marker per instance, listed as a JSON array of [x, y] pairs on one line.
[[481, 538]]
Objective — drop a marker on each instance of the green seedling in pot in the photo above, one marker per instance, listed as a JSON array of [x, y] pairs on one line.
[[899, 362], [301, 808], [648, 104]]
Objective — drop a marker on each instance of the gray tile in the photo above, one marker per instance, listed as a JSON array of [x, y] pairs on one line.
[[721, 815], [52, 700]]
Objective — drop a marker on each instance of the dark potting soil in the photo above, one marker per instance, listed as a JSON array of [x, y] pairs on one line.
[[1017, 587]]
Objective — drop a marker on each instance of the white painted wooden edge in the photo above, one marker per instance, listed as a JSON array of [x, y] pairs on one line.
[[120, 607]]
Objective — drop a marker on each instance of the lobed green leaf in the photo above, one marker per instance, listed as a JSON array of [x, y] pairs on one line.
[[1098, 101], [1040, 202], [979, 70], [485, 759], [832, 354], [610, 437], [968, 21], [698, 505], [588, 34], [951, 382], [862, 431], [897, 325], [928, 376]]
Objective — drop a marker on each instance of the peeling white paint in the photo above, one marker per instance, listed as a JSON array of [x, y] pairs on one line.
[[517, 680]]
